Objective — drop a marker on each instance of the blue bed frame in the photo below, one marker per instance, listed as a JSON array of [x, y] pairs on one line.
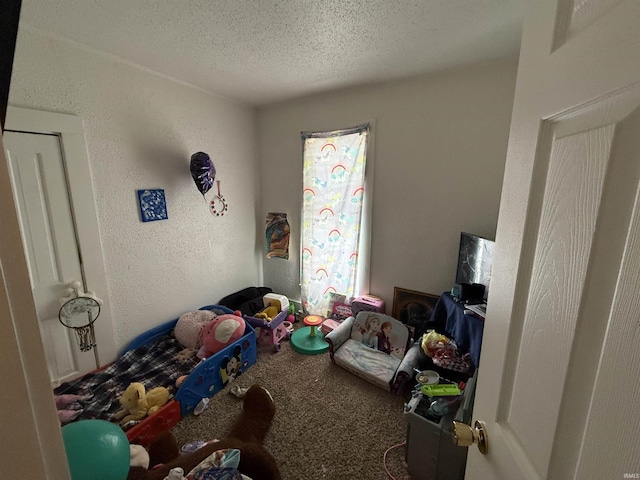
[[210, 375]]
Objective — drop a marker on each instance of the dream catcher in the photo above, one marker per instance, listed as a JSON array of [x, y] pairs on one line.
[[78, 312]]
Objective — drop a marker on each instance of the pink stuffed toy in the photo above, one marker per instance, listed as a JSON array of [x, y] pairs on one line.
[[69, 406], [220, 332]]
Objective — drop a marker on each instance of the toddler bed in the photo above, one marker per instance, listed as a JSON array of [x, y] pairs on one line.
[[152, 359]]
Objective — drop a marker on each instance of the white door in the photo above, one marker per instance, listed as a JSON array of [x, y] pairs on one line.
[[47, 225], [559, 376]]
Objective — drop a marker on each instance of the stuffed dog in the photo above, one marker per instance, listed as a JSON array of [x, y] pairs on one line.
[[247, 435]]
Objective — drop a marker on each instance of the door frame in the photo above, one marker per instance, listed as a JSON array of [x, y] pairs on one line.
[[70, 130]]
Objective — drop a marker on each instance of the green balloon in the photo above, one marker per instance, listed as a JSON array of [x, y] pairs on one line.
[[96, 450]]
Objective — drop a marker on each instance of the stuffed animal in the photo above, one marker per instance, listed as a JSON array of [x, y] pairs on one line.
[[137, 403], [268, 313], [247, 435], [219, 333], [186, 355], [189, 327], [70, 406], [139, 456]]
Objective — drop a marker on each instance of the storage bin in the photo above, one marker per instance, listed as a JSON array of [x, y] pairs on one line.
[[430, 452]]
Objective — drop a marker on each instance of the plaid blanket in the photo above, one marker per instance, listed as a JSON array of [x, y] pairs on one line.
[[153, 365]]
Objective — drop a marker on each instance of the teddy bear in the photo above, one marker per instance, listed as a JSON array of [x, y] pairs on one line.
[[247, 435], [137, 403]]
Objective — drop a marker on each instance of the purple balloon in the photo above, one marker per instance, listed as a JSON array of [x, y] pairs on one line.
[[202, 171]]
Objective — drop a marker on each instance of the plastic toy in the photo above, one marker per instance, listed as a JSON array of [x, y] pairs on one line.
[[441, 390], [306, 340], [272, 328], [268, 313], [427, 377]]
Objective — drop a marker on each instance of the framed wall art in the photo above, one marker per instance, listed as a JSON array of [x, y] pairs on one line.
[[153, 205], [413, 308]]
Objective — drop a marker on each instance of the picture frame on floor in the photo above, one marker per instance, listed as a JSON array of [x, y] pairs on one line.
[[413, 308]]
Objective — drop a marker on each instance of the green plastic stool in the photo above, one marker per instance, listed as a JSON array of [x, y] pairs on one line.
[[307, 340]]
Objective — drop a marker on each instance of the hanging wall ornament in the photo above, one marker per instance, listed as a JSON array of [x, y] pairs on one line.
[[218, 205], [202, 171]]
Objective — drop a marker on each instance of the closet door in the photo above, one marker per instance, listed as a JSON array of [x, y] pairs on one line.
[[49, 237]]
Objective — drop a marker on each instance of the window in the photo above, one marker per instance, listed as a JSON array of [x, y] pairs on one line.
[[335, 217]]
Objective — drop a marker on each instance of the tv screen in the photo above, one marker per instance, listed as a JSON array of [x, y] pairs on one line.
[[474, 260]]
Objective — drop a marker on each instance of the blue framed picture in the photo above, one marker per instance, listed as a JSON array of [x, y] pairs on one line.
[[153, 205]]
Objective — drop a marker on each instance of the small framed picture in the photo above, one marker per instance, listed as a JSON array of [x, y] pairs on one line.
[[413, 308], [153, 205]]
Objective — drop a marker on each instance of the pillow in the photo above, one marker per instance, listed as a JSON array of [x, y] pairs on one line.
[[188, 329]]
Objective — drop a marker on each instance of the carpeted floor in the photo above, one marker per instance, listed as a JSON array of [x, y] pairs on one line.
[[329, 423]]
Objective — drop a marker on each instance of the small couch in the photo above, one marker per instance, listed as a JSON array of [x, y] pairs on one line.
[[377, 348]]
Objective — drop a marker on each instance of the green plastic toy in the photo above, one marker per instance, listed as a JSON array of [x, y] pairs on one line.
[[441, 390]]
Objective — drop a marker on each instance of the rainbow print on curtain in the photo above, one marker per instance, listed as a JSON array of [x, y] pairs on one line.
[[333, 191]]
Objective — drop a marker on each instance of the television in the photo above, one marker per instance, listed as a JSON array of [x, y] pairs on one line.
[[475, 258]]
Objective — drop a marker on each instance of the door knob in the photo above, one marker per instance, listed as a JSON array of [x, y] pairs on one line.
[[464, 435]]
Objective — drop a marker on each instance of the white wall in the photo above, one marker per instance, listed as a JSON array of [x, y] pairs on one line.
[[440, 147], [440, 144], [141, 130]]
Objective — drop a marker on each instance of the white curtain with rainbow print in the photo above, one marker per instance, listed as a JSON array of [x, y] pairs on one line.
[[334, 174]]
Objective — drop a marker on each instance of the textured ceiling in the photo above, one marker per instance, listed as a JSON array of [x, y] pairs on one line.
[[263, 51]]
